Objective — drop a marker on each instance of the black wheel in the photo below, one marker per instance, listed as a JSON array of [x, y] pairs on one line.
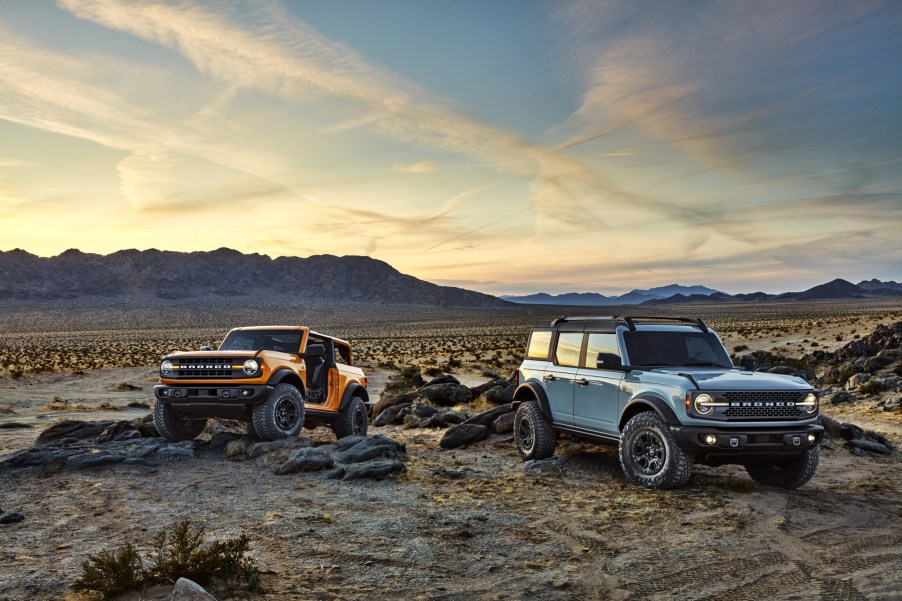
[[353, 420], [175, 426], [786, 474], [650, 455], [532, 432], [281, 415]]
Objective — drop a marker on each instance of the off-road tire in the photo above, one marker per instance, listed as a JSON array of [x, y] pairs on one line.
[[175, 426], [353, 420], [650, 455], [281, 415], [532, 432], [786, 474]]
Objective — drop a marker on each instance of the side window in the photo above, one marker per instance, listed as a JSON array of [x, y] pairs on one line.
[[600, 343], [342, 354], [539, 345], [569, 345]]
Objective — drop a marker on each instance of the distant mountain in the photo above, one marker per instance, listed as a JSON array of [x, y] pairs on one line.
[[836, 290], [222, 273], [634, 297]]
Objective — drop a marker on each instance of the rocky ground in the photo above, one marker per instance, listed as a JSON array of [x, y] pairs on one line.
[[428, 522]]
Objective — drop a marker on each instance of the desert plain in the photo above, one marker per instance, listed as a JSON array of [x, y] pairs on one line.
[[472, 523]]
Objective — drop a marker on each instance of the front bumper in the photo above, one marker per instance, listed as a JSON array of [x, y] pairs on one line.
[[746, 445], [211, 401]]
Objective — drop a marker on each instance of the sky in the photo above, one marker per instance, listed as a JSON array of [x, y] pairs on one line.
[[506, 146]]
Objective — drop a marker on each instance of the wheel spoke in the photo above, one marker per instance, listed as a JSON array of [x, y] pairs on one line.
[[648, 452]]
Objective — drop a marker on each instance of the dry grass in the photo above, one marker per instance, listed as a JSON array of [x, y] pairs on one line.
[[59, 404]]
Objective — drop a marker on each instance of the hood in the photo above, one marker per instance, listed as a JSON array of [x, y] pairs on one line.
[[211, 354], [734, 379]]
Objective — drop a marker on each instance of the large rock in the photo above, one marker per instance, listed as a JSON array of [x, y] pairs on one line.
[[390, 415], [483, 388], [891, 404], [370, 448], [188, 590], [841, 397], [258, 449], [390, 400], [121, 430], [72, 428], [12, 517], [875, 363], [306, 460], [372, 470], [445, 379], [857, 380], [504, 423], [445, 395], [463, 435], [487, 417], [869, 445]]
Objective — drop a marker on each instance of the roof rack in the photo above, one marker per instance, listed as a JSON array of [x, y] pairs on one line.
[[630, 320]]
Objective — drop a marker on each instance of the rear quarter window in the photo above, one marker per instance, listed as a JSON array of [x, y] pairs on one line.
[[539, 345]]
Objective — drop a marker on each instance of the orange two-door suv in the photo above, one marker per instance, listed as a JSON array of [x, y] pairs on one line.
[[277, 379]]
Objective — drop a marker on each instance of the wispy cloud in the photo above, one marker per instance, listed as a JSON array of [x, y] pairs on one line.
[[421, 167]]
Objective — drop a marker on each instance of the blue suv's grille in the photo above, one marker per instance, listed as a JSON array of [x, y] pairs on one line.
[[763, 403]]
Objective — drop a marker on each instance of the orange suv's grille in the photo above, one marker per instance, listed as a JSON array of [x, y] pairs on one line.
[[220, 367]]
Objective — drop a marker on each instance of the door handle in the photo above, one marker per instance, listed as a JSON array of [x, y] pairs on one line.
[[548, 378], [583, 382]]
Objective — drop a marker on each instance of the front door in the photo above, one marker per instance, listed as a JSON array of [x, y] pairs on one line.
[[597, 395]]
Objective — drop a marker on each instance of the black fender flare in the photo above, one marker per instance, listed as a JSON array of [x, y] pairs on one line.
[[648, 402], [283, 374], [352, 390], [532, 390]]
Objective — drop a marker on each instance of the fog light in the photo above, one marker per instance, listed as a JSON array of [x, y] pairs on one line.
[[164, 392], [812, 438], [710, 439], [245, 393]]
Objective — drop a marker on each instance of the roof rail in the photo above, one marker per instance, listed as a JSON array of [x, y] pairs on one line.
[[630, 320]]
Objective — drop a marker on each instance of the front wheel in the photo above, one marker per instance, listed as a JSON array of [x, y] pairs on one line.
[[175, 426], [786, 474], [533, 433], [281, 415], [650, 455], [353, 420]]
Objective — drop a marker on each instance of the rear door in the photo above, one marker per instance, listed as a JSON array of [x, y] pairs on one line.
[[597, 394], [560, 375]]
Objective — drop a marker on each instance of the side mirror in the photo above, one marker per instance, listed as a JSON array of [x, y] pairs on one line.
[[315, 350], [748, 363], [608, 361], [205, 348]]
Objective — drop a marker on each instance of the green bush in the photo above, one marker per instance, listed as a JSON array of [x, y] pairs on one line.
[[177, 552]]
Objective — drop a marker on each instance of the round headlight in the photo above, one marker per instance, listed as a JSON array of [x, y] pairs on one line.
[[251, 366], [702, 405], [166, 367], [810, 402]]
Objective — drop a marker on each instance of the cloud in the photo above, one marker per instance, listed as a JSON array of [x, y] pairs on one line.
[[421, 167]]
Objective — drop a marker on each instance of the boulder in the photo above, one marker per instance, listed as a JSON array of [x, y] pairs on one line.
[[172, 452], [92, 460], [307, 459], [258, 449], [891, 404], [188, 590], [390, 415], [841, 397], [72, 428], [120, 430], [370, 448], [445, 395], [876, 363], [831, 426], [390, 400], [850, 431], [445, 379], [487, 417], [12, 517], [373, 470], [857, 380], [443, 419], [504, 423], [463, 435], [869, 445], [483, 388], [501, 395], [422, 411]]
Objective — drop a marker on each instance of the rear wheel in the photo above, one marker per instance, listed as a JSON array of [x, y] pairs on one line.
[[353, 421], [532, 432], [175, 426], [786, 474], [650, 455], [281, 415]]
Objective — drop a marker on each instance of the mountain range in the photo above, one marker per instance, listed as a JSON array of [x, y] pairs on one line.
[[674, 294], [593, 299], [153, 274]]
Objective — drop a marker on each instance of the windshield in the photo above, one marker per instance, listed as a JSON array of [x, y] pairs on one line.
[[286, 341], [675, 349]]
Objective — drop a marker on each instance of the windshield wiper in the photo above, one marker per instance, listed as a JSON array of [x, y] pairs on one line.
[[704, 364]]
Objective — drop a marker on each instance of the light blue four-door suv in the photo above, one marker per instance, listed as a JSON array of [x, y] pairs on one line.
[[665, 390]]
